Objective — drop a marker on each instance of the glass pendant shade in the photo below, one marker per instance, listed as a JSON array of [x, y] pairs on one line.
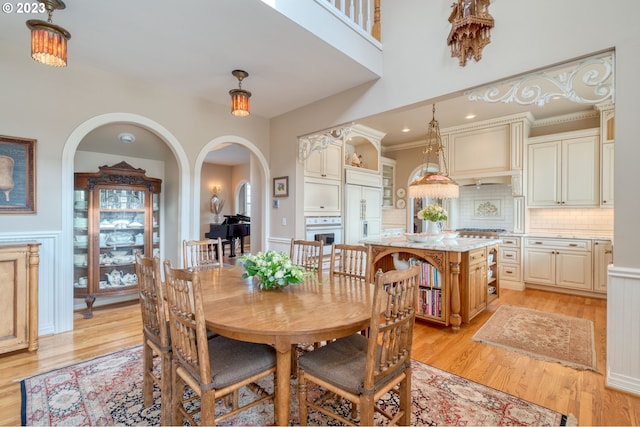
[[240, 97], [240, 102], [48, 43], [434, 182]]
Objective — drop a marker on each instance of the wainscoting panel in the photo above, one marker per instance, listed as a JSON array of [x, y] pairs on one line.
[[279, 244], [623, 338], [49, 276]]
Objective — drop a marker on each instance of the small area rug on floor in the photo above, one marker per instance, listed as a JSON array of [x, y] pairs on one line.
[[107, 390], [546, 336]]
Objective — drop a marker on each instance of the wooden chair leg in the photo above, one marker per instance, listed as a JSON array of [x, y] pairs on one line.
[[302, 399], [147, 366]]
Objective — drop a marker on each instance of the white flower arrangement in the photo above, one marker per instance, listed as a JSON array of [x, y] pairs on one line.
[[433, 212], [274, 269]]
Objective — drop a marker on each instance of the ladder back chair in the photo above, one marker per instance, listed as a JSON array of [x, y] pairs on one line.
[[202, 254], [349, 260], [156, 336], [212, 368], [362, 369], [307, 254]]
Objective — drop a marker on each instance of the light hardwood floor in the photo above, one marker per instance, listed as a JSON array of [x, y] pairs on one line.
[[566, 390]]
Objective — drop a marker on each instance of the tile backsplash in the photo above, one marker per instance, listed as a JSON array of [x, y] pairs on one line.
[[487, 206], [472, 212], [591, 222]]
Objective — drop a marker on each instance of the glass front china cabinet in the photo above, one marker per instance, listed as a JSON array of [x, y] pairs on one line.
[[116, 215]]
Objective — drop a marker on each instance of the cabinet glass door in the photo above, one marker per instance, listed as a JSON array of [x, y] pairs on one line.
[[122, 234], [80, 239]]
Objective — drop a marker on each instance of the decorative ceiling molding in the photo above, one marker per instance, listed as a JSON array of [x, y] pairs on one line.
[[319, 141], [586, 81], [566, 118]]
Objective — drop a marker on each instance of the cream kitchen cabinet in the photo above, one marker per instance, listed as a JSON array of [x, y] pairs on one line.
[[606, 186], [388, 182], [322, 196], [602, 257], [326, 164], [510, 261], [363, 213], [564, 169], [561, 263]]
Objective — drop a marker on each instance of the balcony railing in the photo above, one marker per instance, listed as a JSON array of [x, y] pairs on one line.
[[364, 15]]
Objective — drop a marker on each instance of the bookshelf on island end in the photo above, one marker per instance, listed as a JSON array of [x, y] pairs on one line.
[[455, 285]]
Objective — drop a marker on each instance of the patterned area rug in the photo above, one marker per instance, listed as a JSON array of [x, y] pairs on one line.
[[547, 336], [108, 391]]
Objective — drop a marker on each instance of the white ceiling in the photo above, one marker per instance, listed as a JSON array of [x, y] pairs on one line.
[[194, 45]]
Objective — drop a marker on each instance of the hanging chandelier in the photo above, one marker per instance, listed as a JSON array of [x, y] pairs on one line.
[[240, 97], [434, 182], [49, 41]]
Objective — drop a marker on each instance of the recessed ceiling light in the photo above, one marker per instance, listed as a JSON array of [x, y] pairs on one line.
[[470, 116], [126, 138], [406, 129]]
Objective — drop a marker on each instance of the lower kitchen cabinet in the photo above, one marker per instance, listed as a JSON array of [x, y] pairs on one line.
[[561, 263], [474, 296], [602, 257]]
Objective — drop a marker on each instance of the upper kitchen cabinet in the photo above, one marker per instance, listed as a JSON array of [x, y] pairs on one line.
[[493, 148], [388, 182], [564, 169], [607, 138], [326, 164], [362, 148]]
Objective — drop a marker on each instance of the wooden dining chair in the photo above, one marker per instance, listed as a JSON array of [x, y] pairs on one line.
[[308, 255], [202, 254], [361, 369], [349, 260], [156, 336], [212, 368]]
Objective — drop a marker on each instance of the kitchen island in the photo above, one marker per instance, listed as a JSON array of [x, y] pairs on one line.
[[459, 276]]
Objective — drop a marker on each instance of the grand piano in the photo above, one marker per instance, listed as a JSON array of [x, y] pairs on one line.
[[233, 227]]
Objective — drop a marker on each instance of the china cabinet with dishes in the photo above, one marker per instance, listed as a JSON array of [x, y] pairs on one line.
[[116, 215]]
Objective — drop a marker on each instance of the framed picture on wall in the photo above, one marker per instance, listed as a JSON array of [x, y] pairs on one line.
[[281, 186], [487, 209], [17, 175]]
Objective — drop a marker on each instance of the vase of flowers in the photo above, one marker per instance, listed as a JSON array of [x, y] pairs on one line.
[[433, 214], [272, 269]]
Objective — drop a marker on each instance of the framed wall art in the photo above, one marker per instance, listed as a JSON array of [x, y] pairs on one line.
[[281, 186], [17, 175], [487, 209]]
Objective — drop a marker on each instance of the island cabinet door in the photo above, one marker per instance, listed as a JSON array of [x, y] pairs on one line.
[[474, 292]]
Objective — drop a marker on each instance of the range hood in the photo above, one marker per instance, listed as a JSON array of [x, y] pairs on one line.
[[484, 180]]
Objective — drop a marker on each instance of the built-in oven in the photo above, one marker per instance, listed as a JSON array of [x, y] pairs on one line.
[[325, 228]]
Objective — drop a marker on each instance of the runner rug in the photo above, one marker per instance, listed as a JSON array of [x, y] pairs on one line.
[[547, 336], [108, 391]]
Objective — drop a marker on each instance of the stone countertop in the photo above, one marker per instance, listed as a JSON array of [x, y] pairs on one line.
[[450, 245]]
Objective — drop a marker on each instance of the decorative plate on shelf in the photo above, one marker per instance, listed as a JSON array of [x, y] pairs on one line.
[[400, 204], [400, 192]]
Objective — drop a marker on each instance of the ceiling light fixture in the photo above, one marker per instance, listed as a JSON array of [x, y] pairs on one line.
[[240, 97], [49, 41], [471, 27], [126, 138], [434, 182]]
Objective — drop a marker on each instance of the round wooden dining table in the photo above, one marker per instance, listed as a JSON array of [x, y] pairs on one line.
[[307, 312]]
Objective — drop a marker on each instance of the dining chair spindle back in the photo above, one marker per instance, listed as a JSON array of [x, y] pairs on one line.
[[362, 369], [212, 368], [202, 254], [156, 335], [308, 255], [349, 260]]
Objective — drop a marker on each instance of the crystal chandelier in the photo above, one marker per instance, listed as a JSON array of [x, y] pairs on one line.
[[434, 182]]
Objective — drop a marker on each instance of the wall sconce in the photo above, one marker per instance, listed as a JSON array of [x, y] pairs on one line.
[[470, 29], [49, 41], [240, 97]]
